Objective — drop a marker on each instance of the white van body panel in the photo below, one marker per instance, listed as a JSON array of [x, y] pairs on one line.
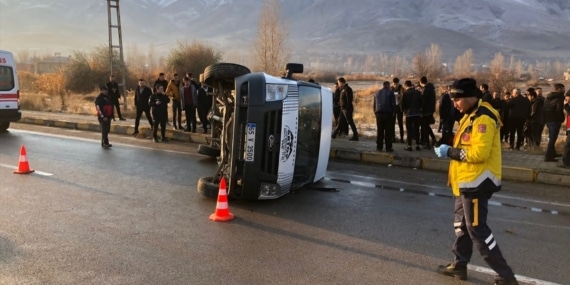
[[326, 132], [9, 89]]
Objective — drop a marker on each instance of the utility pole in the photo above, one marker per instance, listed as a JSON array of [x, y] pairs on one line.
[[116, 34]]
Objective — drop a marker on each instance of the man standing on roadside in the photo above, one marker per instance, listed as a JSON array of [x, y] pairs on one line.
[[553, 114], [384, 109], [104, 107], [188, 97], [519, 111], [142, 95], [566, 151], [173, 91], [428, 108], [115, 95], [399, 115], [346, 108], [160, 82], [412, 108], [474, 175], [540, 99], [487, 97], [159, 105]]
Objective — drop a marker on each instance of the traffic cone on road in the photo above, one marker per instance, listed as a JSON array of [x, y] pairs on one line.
[[23, 165], [222, 213]]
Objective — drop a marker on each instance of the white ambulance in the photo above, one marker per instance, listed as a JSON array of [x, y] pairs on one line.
[[9, 91], [271, 135]]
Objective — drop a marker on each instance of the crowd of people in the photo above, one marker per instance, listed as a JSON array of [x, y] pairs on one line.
[[184, 95], [524, 116]]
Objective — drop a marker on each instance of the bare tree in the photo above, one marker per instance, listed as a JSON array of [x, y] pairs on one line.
[[429, 63], [421, 64], [462, 66], [433, 55], [498, 64], [270, 48]]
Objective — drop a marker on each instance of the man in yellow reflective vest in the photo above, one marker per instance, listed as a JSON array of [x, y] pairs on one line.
[[474, 175]]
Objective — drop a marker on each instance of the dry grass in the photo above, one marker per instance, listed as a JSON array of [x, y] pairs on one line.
[[363, 109], [70, 103]]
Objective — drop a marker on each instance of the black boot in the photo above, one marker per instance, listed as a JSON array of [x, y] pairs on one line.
[[453, 270]]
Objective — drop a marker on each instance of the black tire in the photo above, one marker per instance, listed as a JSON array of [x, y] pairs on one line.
[[224, 73], [208, 150], [4, 126], [207, 187]]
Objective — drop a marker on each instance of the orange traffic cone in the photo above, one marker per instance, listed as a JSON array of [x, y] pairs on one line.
[[222, 213], [23, 165]]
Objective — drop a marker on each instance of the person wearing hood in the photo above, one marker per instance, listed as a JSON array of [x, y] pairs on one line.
[[475, 173], [553, 114]]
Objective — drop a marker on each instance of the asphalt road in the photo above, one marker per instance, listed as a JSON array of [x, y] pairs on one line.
[[131, 215]]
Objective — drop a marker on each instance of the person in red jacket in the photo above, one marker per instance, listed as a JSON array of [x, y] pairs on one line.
[[104, 106]]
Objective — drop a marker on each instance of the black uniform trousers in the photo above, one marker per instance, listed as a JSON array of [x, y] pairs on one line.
[[138, 118], [105, 129], [190, 111], [384, 130], [340, 123], [117, 106], [399, 117], [346, 115], [413, 129], [516, 125], [177, 113], [471, 227], [160, 119]]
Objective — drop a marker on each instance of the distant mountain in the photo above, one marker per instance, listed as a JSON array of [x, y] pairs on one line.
[[527, 29]]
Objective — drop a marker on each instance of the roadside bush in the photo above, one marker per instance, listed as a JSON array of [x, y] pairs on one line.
[[194, 58]]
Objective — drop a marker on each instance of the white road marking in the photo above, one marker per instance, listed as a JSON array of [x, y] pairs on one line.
[[520, 278], [445, 188], [14, 167], [97, 141]]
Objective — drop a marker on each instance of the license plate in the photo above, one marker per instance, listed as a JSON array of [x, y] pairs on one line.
[[249, 142]]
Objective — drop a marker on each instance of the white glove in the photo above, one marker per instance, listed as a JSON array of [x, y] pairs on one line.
[[441, 151]]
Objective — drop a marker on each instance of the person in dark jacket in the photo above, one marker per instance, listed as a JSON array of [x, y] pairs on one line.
[[342, 124], [160, 81], [142, 95], [204, 105], [553, 114], [496, 102], [384, 109], [346, 108], [399, 115], [189, 96], [536, 117], [428, 108], [533, 121], [105, 109], [487, 97], [541, 99], [115, 95], [505, 129], [412, 108], [159, 105], [566, 151], [519, 111], [447, 115]]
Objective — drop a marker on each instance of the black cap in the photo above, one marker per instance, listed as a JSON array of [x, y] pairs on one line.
[[103, 87], [466, 87]]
